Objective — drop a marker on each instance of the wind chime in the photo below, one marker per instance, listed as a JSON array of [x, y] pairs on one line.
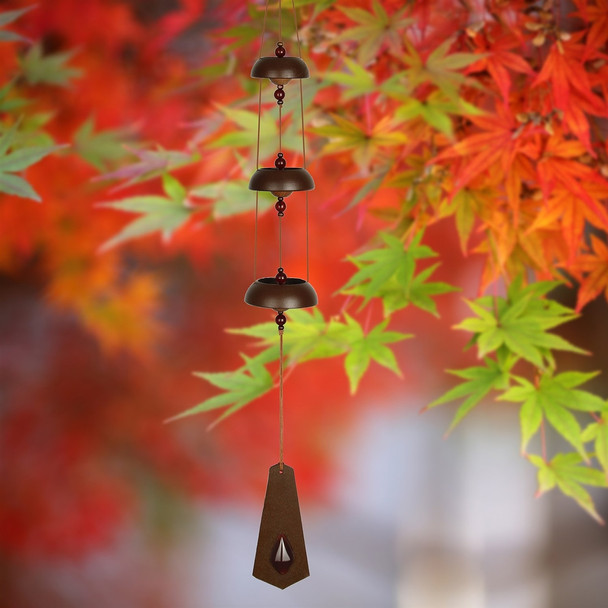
[[281, 552]]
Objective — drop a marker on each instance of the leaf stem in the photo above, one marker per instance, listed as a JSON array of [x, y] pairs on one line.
[[543, 441]]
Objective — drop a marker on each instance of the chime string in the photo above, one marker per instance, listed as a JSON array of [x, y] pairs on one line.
[[257, 154], [280, 129], [281, 400], [264, 28], [257, 194], [280, 21], [281, 242], [295, 23]]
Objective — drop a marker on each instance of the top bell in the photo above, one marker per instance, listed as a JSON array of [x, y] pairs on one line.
[[280, 69]]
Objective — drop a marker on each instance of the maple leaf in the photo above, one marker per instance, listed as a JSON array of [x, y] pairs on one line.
[[520, 323], [357, 81], [594, 267], [231, 197], [440, 68], [565, 472], [598, 433], [389, 273], [159, 213], [436, 110], [240, 387], [570, 213], [48, 69], [498, 59], [595, 15], [499, 143], [559, 166], [102, 148], [310, 337], [468, 204], [247, 121], [8, 17], [14, 159], [374, 30], [363, 348], [346, 136], [551, 398], [571, 88], [480, 381], [150, 164]]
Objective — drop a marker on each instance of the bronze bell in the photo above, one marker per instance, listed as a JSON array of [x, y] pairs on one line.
[[280, 70], [293, 293], [281, 182]]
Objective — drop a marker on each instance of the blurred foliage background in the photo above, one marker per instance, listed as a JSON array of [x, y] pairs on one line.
[[472, 134]]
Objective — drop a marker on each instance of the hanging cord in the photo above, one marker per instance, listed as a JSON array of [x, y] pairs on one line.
[[295, 23], [281, 242], [280, 21], [280, 128], [257, 154], [264, 28], [281, 400], [257, 194]]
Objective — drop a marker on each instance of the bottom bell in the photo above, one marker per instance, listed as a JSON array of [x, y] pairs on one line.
[[293, 293], [280, 558]]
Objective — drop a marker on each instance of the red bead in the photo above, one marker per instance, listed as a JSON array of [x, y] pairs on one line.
[[280, 162], [280, 320], [280, 50], [279, 94], [280, 207], [281, 277]]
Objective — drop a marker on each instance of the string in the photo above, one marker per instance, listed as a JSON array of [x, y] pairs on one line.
[[257, 194], [264, 28], [281, 400], [257, 154], [280, 128], [281, 242], [280, 22], [295, 22]]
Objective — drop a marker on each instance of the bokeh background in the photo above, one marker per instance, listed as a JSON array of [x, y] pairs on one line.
[[104, 505]]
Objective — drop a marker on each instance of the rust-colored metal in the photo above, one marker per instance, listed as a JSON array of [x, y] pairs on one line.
[[294, 293], [281, 564], [280, 69], [291, 179]]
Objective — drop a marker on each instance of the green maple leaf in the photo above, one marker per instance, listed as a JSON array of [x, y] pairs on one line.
[[10, 103], [232, 197], [520, 323], [100, 148], [598, 433], [436, 110], [150, 164], [551, 399], [374, 30], [565, 472], [357, 81], [8, 17], [14, 159], [47, 69], [351, 136], [480, 381], [247, 123], [389, 273], [159, 213], [240, 387], [308, 336], [440, 68], [367, 347]]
